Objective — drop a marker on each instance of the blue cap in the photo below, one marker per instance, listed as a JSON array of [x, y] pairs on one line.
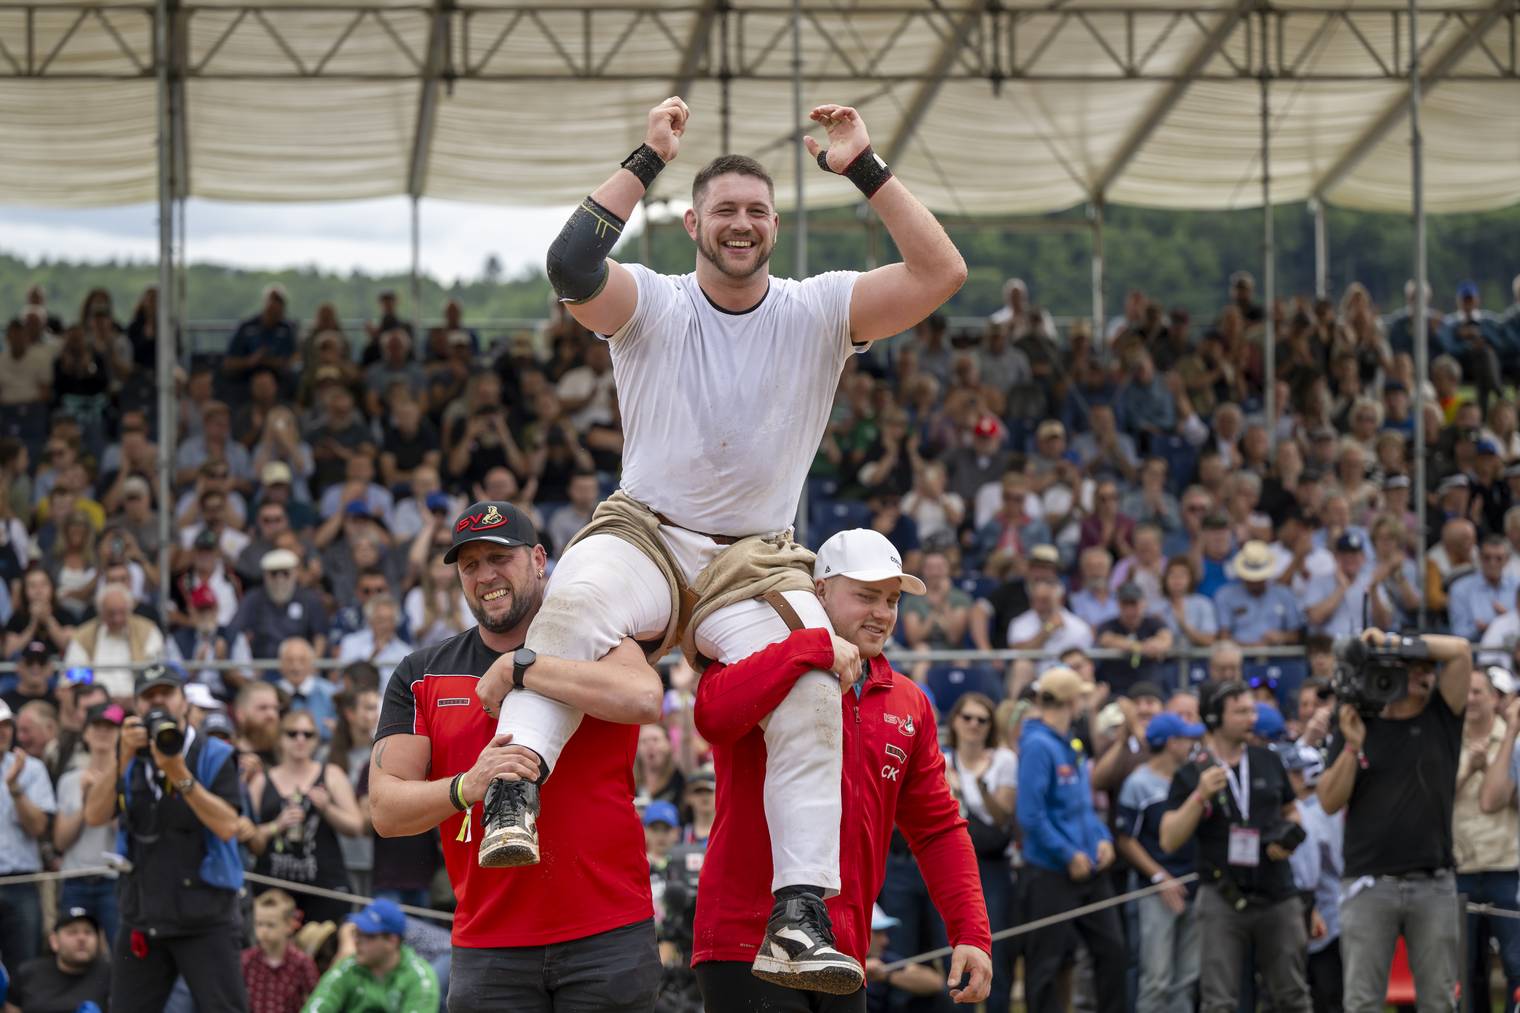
[[438, 501], [1269, 722], [881, 921], [1349, 541], [1467, 290], [661, 811], [381, 918], [1488, 447], [1166, 726], [358, 508]]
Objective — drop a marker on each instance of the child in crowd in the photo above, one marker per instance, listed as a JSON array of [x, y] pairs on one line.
[[279, 975]]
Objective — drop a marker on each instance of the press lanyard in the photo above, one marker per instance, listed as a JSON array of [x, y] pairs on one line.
[[1240, 787]]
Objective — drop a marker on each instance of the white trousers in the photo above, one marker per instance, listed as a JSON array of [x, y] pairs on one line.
[[603, 590]]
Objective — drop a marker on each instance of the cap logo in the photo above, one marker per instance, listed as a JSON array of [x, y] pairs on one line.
[[895, 560], [492, 518]]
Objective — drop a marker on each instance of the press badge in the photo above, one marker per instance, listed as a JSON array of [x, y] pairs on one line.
[[1245, 847]]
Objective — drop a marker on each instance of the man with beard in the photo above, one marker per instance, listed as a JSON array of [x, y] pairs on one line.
[[73, 976], [573, 933], [257, 711], [279, 609], [725, 379]]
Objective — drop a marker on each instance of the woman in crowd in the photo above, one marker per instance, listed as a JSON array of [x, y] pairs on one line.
[[358, 715], [38, 615], [659, 777], [984, 778], [435, 609], [300, 806], [1394, 575], [281, 440], [75, 564], [1190, 616]]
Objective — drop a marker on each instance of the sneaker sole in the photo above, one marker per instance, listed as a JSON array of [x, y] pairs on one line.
[[507, 853], [808, 976]]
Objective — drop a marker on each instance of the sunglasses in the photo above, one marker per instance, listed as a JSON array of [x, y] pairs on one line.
[[975, 719], [299, 733]]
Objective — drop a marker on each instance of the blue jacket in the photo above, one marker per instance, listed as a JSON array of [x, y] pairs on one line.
[[1055, 809]]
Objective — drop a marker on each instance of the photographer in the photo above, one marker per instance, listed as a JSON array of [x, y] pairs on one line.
[[1394, 770], [1238, 801], [177, 797]]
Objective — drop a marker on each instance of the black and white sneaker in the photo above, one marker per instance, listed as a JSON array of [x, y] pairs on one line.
[[798, 950], [510, 823]]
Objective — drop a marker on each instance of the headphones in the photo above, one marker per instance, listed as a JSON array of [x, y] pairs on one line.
[[1216, 696]]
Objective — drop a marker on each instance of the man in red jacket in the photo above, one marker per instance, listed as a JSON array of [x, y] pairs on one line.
[[894, 774]]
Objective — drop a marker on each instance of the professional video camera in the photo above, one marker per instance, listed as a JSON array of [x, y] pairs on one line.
[[1371, 676]]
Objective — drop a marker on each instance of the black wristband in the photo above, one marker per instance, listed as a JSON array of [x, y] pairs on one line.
[[868, 172], [644, 163], [456, 797]]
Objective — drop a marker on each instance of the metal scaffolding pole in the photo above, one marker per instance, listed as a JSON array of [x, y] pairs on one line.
[[1421, 309], [799, 159], [416, 276], [1321, 250], [164, 324], [1095, 213], [1268, 252], [799, 166]]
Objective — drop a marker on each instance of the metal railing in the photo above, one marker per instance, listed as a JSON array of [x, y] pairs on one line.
[[901, 659]]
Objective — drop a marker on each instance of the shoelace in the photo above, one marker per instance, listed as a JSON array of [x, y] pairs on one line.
[[510, 804], [815, 918]]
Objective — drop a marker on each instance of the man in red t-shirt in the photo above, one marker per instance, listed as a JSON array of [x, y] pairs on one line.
[[577, 930], [894, 775]]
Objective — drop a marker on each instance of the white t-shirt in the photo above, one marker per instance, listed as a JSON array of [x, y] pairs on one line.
[[1004, 773], [92, 841], [1073, 633], [723, 412]]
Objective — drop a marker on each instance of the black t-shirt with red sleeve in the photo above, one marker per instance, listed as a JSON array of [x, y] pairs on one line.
[[593, 875]]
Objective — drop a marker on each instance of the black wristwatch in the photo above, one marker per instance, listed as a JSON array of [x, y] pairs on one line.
[[521, 659]]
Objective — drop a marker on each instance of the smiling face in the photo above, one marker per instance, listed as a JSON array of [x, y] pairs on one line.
[[734, 224], [500, 583], [864, 613]]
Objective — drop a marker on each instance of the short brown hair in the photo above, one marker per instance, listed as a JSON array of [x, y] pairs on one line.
[[276, 900], [743, 165]]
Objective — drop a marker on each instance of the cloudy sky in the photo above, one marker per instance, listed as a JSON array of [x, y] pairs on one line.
[[374, 235]]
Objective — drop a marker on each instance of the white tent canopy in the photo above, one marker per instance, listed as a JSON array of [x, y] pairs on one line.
[[981, 109]]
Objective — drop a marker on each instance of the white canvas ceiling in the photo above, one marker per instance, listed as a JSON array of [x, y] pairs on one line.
[[286, 102]]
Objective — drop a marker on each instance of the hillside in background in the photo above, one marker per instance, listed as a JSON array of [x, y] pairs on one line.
[[1182, 258]]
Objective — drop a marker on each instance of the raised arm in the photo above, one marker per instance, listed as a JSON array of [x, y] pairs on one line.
[[893, 298], [600, 294]]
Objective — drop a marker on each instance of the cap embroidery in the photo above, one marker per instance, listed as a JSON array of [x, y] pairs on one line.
[[492, 518]]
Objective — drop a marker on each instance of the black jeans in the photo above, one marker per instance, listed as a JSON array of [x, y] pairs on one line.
[[729, 987], [1049, 950], [611, 972], [1325, 979], [209, 962]]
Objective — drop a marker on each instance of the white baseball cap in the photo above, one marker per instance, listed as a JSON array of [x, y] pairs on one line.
[[199, 695], [865, 555]]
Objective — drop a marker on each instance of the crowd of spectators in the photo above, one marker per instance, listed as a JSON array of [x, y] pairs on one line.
[[1111, 501]]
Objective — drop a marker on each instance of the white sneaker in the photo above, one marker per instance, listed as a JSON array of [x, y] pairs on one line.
[[798, 950], [510, 823]]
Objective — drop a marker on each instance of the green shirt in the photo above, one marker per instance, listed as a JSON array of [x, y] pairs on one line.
[[349, 987]]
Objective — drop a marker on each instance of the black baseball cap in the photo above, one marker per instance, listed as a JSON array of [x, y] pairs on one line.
[[491, 521], [159, 675], [37, 651], [70, 915]]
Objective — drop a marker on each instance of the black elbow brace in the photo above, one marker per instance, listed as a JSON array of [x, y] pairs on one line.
[[577, 262]]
